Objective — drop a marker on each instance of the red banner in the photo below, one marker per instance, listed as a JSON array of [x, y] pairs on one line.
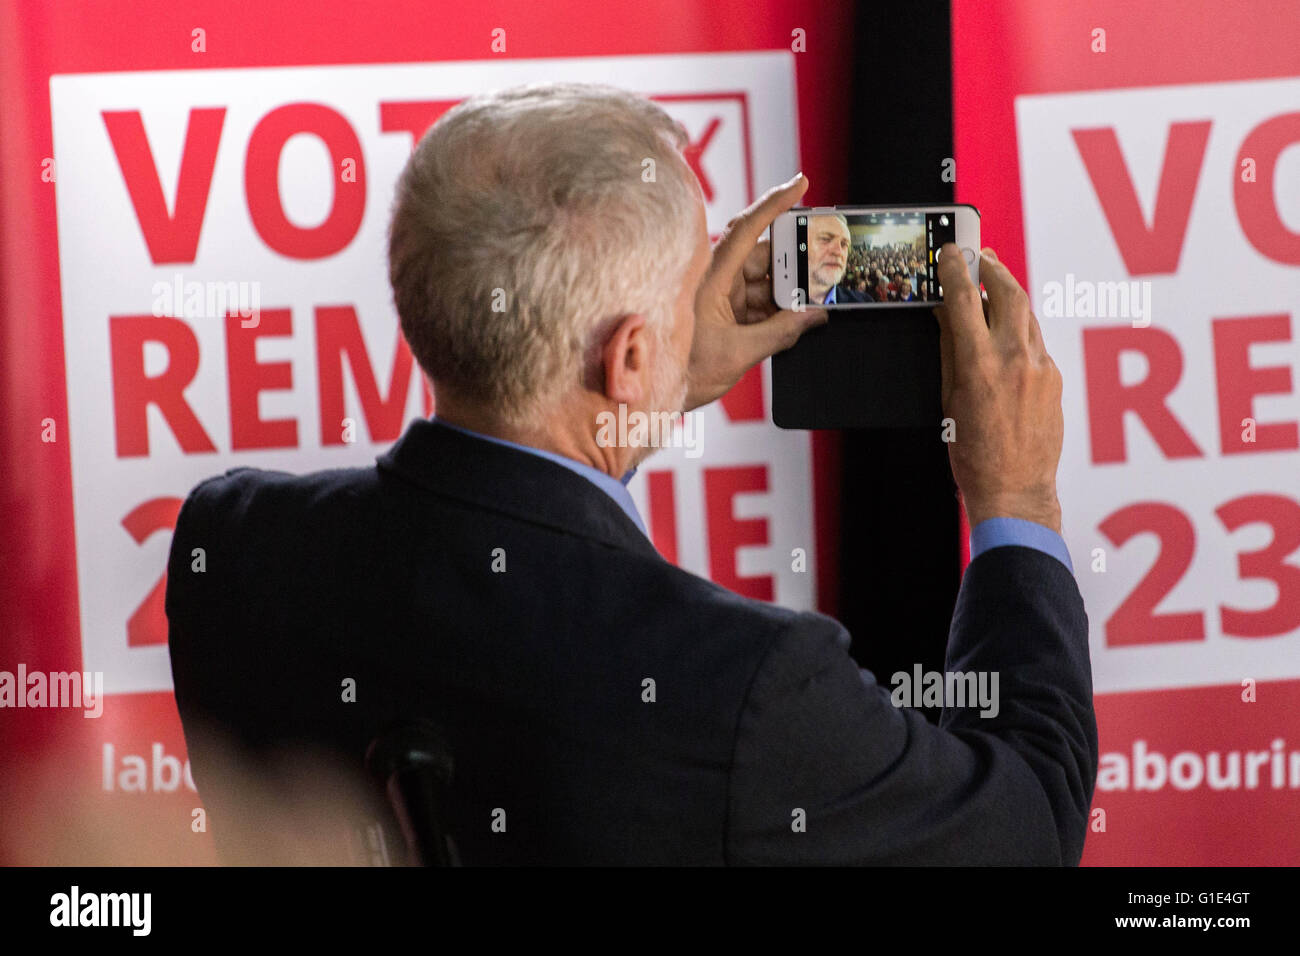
[[1137, 166], [194, 209]]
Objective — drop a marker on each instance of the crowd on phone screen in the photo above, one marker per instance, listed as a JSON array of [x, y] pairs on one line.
[[892, 273]]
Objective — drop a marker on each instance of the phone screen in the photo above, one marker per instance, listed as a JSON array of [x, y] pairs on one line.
[[883, 257]]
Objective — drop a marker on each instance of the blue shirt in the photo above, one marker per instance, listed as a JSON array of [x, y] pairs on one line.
[[830, 298], [988, 534], [615, 488], [997, 532]]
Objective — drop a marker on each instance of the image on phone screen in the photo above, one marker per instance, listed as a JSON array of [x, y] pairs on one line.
[[880, 257]]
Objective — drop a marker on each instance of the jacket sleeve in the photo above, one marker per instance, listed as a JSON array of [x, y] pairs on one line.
[[827, 770], [211, 668], [192, 572]]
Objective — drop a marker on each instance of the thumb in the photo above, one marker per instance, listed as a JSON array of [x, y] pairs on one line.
[[745, 229]]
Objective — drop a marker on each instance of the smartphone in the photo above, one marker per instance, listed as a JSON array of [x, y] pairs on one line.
[[868, 257]]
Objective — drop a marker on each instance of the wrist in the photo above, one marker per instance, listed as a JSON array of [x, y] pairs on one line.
[[1039, 509], [700, 391], [695, 398]]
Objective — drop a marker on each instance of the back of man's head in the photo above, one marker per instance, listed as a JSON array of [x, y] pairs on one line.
[[525, 222]]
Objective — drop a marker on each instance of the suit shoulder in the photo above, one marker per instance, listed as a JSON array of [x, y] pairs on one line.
[[781, 630], [254, 516], [240, 489]]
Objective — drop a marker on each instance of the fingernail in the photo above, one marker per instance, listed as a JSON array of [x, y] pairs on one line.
[[797, 177], [987, 252]]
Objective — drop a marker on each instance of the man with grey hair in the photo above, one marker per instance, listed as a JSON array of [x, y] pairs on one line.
[[490, 574], [829, 245], [550, 259]]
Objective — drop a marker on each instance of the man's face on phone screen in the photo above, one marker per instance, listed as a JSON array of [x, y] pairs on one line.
[[828, 250]]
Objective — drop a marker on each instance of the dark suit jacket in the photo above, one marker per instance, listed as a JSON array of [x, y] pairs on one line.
[[844, 294], [764, 744]]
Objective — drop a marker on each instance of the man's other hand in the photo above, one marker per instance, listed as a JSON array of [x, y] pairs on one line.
[[1003, 393]]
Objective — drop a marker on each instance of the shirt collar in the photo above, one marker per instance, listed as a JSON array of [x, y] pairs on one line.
[[614, 487]]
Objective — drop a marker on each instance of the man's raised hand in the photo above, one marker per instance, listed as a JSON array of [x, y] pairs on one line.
[[736, 323]]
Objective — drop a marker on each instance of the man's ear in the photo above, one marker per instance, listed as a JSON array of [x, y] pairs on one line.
[[626, 358]]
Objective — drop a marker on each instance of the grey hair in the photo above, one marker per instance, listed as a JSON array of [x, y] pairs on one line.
[[523, 226], [835, 215]]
